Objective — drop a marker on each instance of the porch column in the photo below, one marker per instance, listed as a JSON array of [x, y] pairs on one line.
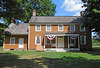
[[56, 41], [78, 43], [68, 42], [44, 41]]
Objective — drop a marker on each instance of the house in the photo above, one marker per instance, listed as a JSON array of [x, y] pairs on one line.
[[55, 33]]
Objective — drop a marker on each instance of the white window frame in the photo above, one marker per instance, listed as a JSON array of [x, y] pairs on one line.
[[62, 27], [70, 28], [84, 39], [35, 40], [10, 41], [81, 29], [36, 27], [47, 27]]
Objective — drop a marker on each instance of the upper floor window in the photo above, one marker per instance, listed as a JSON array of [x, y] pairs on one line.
[[12, 40], [72, 27], [38, 27], [48, 27], [60, 27], [83, 39], [82, 28], [37, 40]]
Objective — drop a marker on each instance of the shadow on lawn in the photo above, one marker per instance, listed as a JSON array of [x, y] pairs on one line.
[[95, 51], [13, 61]]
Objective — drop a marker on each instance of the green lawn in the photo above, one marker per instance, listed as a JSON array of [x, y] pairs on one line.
[[32, 59]]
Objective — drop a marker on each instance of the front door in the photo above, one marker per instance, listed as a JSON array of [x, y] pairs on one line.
[[21, 42], [61, 42]]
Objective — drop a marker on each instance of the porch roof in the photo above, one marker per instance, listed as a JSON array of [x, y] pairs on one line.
[[61, 33]]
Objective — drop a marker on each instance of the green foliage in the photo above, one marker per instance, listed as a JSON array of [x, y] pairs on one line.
[[92, 14], [95, 41], [23, 9]]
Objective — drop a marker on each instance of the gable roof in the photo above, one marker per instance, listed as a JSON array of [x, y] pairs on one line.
[[21, 28], [56, 19]]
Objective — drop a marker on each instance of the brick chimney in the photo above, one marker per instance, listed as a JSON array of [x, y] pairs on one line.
[[34, 12], [13, 20], [82, 13]]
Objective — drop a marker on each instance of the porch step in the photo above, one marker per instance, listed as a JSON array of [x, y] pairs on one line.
[[62, 50], [19, 49]]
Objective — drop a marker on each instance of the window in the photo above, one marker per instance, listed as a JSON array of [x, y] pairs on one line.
[[82, 28], [48, 27], [37, 39], [83, 39], [60, 27], [72, 27], [48, 41], [12, 40], [38, 27]]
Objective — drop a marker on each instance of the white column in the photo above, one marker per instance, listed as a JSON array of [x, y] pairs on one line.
[[68, 42], [78, 43], [44, 41], [56, 41]]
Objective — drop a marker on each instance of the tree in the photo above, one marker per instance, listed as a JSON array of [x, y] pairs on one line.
[[92, 14], [22, 9]]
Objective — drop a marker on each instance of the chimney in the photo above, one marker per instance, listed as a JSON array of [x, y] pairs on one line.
[[34, 12], [13, 20], [82, 13]]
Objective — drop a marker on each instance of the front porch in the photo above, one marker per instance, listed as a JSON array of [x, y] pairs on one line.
[[61, 43]]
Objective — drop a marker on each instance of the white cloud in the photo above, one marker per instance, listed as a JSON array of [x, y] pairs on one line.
[[77, 14], [73, 5]]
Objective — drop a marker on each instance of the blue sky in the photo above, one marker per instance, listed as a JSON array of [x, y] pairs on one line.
[[68, 7]]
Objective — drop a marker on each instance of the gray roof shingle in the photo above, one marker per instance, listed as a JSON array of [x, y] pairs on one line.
[[56, 19], [21, 28]]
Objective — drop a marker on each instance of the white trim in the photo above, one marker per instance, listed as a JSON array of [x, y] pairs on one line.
[[4, 42], [44, 41], [78, 43], [70, 28], [35, 40], [62, 27], [36, 27], [68, 42], [23, 42], [10, 41], [28, 36], [50, 27], [81, 29], [56, 41]]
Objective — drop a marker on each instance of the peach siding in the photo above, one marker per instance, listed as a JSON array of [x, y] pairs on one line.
[[16, 46], [54, 28]]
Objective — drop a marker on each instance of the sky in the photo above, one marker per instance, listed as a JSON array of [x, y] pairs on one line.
[[68, 7]]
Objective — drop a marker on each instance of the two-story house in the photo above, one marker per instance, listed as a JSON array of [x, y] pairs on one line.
[[56, 33]]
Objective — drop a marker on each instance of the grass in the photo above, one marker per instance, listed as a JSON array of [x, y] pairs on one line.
[[33, 59], [95, 41]]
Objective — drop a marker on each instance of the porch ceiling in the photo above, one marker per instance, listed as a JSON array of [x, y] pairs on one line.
[[61, 33]]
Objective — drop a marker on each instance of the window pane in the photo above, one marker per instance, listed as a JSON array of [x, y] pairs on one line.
[[48, 27], [38, 27], [38, 39], [12, 41], [82, 28], [82, 39], [72, 27], [48, 41], [60, 27]]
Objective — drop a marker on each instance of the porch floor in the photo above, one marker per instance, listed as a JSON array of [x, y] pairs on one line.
[[61, 49]]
